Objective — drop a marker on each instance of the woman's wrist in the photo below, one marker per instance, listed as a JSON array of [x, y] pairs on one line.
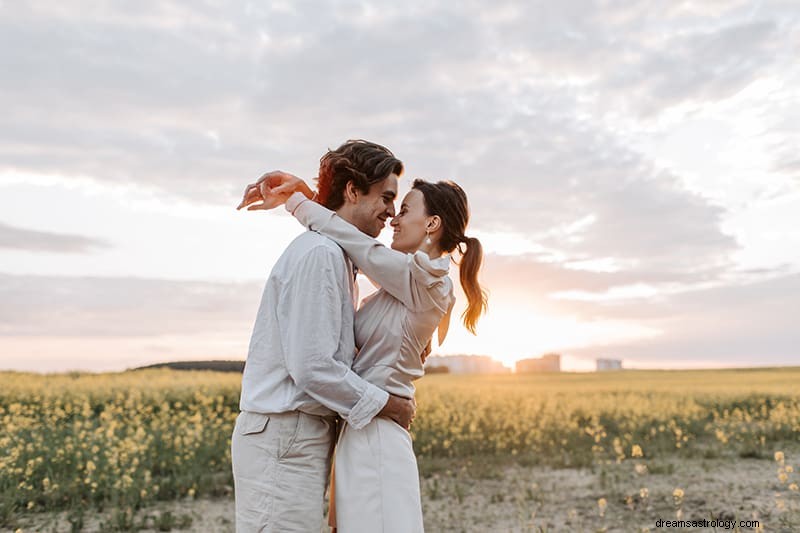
[[294, 201], [306, 190]]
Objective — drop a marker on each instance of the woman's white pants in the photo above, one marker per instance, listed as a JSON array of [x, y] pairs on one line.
[[377, 482]]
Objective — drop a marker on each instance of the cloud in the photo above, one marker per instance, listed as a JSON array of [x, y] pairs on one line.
[[734, 324], [204, 98], [96, 306], [703, 65], [537, 109], [15, 238], [204, 101], [740, 323]]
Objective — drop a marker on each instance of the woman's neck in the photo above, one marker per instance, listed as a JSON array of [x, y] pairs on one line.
[[432, 250]]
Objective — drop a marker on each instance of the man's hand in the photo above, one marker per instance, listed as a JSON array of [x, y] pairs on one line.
[[271, 190], [401, 410]]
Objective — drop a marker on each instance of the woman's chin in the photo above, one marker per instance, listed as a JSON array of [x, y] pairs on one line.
[[398, 246]]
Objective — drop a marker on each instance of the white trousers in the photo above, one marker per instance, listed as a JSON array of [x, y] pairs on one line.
[[281, 464], [377, 482]]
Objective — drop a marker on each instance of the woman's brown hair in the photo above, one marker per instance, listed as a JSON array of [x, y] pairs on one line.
[[448, 201]]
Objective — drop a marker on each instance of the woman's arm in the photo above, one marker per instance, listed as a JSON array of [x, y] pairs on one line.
[[407, 277]]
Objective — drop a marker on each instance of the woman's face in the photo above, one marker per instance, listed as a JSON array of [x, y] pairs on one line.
[[410, 223]]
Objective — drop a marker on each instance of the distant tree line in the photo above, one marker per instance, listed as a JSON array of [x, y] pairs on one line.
[[216, 366]]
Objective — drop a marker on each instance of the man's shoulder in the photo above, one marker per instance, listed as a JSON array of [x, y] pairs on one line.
[[311, 245], [309, 241]]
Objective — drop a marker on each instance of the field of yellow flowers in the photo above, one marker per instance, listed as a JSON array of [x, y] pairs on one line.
[[116, 443]]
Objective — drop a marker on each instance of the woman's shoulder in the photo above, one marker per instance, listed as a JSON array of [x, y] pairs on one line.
[[429, 271]]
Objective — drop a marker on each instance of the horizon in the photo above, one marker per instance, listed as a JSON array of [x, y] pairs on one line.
[[634, 179], [510, 370]]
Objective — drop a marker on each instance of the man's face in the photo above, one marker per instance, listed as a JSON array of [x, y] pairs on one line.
[[374, 208]]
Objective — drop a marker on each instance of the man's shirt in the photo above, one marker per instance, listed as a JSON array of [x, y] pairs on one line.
[[303, 344]]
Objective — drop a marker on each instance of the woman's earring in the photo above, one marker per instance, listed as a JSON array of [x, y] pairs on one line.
[[428, 239]]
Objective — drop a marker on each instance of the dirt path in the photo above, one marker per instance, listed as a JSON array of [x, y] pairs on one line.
[[495, 497]]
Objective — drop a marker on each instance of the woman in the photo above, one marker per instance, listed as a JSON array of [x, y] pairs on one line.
[[376, 477]]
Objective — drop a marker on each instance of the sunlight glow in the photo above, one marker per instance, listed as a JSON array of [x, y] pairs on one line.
[[509, 335]]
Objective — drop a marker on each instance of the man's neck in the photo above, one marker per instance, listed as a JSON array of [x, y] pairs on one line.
[[346, 213]]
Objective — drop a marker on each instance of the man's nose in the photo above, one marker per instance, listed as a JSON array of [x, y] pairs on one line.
[[390, 210]]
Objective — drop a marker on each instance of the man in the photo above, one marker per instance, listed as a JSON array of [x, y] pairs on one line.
[[297, 375]]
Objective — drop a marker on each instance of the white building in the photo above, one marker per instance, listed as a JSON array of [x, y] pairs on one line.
[[550, 362], [466, 364], [604, 365]]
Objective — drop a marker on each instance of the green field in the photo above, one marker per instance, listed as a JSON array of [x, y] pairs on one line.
[[83, 443]]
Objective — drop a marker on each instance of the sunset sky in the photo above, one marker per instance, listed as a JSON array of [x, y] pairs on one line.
[[633, 169]]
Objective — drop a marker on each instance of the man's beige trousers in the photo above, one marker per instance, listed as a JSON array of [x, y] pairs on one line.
[[281, 464]]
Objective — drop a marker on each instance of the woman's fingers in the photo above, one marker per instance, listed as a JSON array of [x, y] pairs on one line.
[[285, 188], [271, 190], [251, 194]]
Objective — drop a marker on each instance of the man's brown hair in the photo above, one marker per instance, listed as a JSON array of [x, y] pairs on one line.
[[362, 162]]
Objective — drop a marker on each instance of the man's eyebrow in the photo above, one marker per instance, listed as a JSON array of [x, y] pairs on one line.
[[390, 194]]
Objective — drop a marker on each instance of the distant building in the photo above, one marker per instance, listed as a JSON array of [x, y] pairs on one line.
[[465, 364], [550, 362], [604, 365]]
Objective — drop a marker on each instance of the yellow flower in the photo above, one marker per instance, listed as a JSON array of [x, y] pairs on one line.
[[779, 457], [636, 451], [793, 487], [602, 504]]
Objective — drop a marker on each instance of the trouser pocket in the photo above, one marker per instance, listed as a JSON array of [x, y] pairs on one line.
[[251, 423]]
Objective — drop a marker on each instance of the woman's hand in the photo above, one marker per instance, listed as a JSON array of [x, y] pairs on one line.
[[272, 190]]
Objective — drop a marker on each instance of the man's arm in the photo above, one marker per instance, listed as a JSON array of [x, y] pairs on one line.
[[311, 323]]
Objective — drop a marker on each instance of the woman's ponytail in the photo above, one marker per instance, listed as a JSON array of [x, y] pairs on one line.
[[477, 300]]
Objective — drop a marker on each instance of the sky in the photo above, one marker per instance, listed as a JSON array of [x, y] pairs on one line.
[[632, 169]]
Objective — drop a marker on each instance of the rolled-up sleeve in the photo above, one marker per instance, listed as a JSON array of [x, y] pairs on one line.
[[310, 321]]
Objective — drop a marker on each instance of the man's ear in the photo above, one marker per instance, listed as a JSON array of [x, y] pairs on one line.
[[351, 192]]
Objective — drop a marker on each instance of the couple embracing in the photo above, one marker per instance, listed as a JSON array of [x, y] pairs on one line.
[[324, 373]]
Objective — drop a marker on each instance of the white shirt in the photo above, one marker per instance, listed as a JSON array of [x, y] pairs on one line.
[[302, 345], [394, 325]]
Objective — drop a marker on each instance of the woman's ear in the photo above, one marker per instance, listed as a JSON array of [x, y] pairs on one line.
[[434, 223]]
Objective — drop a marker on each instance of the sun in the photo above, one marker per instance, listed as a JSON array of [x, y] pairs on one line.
[[509, 334]]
